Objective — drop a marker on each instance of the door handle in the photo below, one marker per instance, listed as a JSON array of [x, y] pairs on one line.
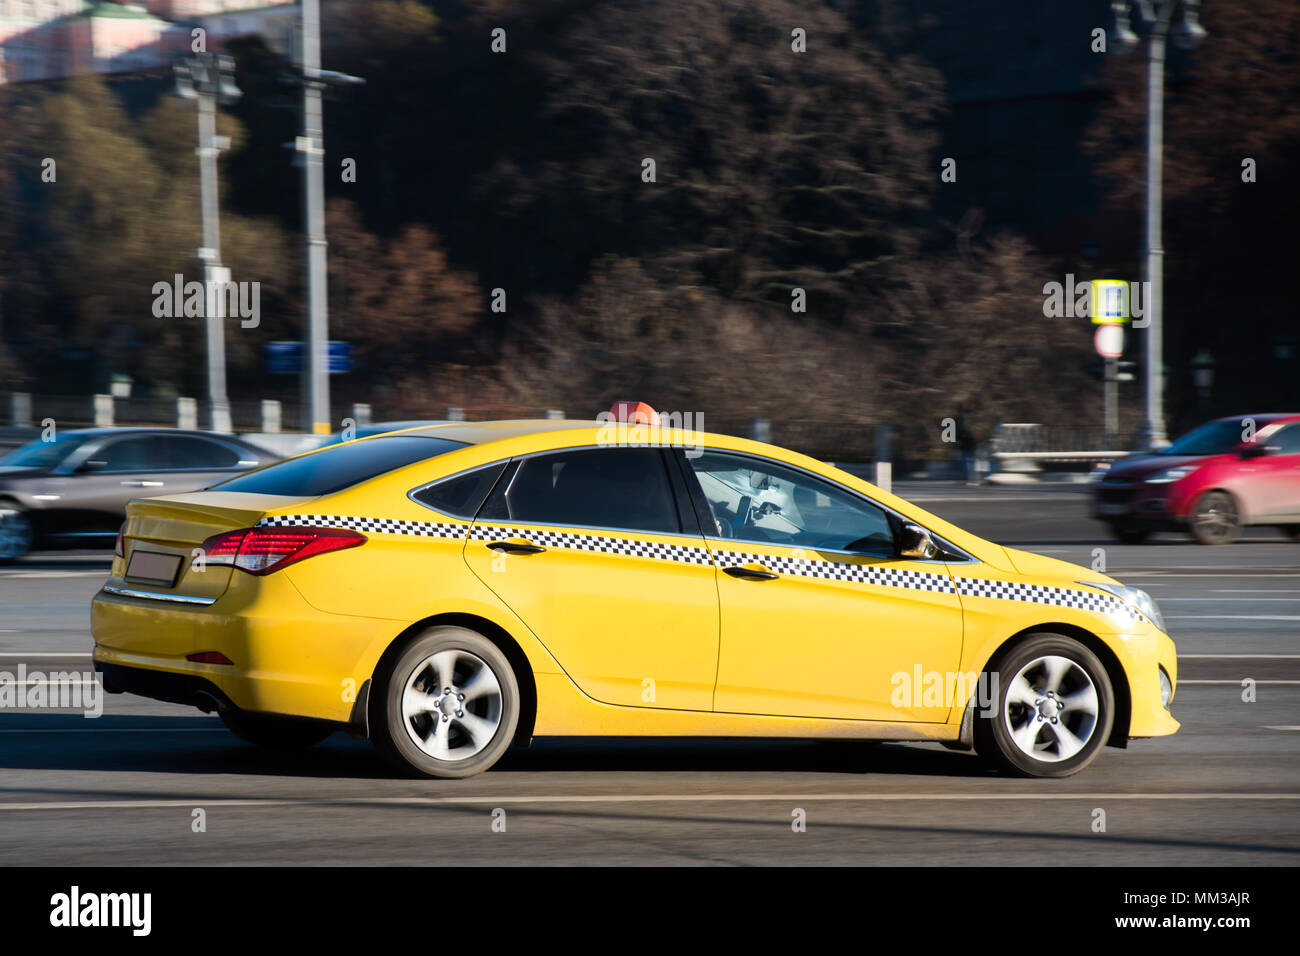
[[754, 574], [510, 547], [142, 484]]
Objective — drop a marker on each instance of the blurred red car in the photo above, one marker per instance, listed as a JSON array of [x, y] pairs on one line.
[[1211, 482]]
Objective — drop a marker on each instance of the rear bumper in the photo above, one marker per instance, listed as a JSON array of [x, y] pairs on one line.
[[191, 690], [289, 658]]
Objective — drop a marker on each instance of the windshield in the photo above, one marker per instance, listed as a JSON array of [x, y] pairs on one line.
[[42, 453], [1214, 438]]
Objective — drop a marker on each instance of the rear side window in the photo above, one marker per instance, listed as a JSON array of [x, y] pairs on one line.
[[618, 488], [462, 496], [339, 466]]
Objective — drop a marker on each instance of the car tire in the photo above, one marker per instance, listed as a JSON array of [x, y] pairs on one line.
[[275, 732], [1215, 518], [447, 704], [1129, 534], [16, 532], [1055, 684]]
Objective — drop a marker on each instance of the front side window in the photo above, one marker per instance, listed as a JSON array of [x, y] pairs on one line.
[[1287, 439], [754, 499], [142, 453], [618, 488]]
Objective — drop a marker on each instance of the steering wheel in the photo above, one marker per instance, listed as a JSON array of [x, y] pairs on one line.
[[742, 516]]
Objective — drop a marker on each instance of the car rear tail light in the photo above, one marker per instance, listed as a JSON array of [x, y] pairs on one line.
[[119, 546], [263, 550]]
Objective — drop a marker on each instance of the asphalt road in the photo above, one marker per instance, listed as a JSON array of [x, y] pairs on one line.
[[125, 788]]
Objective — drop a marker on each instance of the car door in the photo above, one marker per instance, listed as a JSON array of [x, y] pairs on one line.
[[143, 465], [1276, 481], [599, 556], [819, 617]]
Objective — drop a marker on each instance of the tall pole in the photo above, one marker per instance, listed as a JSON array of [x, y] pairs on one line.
[[1153, 425], [213, 274], [1110, 395], [315, 353]]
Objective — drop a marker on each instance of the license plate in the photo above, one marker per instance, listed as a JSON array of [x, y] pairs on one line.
[[150, 567], [1112, 509]]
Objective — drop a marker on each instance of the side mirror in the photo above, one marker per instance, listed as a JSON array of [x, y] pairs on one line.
[[915, 542], [90, 465], [1258, 451]]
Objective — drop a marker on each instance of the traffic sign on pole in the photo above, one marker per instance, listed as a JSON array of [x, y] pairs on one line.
[[1109, 341]]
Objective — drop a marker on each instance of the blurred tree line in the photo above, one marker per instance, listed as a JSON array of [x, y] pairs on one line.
[[504, 242]]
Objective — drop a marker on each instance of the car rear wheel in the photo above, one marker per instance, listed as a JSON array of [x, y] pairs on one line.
[[447, 706], [1054, 709], [274, 732], [16, 532], [1129, 534], [1215, 519]]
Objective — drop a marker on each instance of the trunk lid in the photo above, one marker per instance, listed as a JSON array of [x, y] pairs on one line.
[[175, 526]]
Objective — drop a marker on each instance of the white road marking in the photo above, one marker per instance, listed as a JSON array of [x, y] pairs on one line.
[[634, 798], [1254, 591], [116, 730], [1282, 727], [1218, 573], [1220, 600], [1266, 657], [29, 575], [1234, 617], [1236, 683], [31, 654]]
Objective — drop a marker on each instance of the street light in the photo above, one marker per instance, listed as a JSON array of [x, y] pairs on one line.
[[209, 78], [1157, 15], [311, 149]]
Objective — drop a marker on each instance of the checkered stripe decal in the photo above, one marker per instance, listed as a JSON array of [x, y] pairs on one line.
[[803, 567], [1042, 594], [426, 529], [631, 547], [841, 571]]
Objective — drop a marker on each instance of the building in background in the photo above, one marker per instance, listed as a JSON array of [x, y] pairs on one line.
[[51, 39]]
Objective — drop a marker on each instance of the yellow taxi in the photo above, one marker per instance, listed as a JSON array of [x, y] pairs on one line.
[[450, 590]]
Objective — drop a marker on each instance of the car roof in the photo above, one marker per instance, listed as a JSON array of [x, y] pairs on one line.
[[163, 431], [482, 433], [1263, 418]]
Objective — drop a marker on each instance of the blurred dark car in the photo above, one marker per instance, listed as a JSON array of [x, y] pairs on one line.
[[1211, 482], [72, 491], [378, 428]]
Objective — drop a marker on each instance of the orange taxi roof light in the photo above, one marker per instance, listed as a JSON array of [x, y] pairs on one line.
[[638, 412]]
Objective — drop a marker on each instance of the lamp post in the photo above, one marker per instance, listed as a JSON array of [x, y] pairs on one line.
[[1157, 15], [311, 151], [209, 78]]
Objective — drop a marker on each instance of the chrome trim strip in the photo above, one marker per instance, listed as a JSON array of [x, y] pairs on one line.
[[155, 596]]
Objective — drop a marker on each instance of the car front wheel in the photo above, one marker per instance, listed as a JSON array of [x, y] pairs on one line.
[[1054, 709], [447, 706], [1215, 519]]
